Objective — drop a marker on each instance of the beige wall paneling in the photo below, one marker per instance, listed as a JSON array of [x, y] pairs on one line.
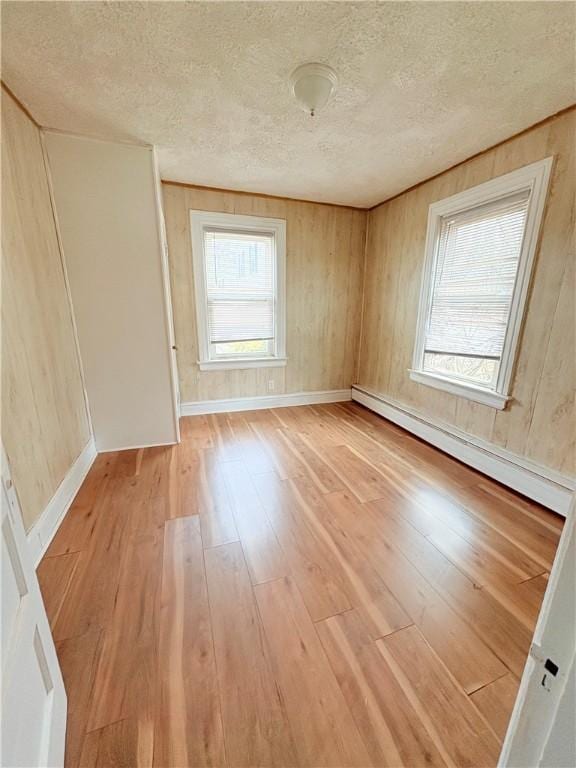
[[324, 258], [107, 208], [44, 421], [539, 423]]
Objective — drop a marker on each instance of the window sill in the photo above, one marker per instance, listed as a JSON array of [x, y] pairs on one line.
[[253, 362], [469, 391]]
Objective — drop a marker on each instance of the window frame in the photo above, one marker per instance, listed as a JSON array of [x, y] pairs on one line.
[[535, 178], [199, 220]]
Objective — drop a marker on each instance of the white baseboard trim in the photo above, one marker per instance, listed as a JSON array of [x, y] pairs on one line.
[[136, 447], [541, 484], [43, 530], [265, 401]]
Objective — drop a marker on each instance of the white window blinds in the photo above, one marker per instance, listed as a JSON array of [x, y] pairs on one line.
[[480, 248], [240, 286], [473, 281]]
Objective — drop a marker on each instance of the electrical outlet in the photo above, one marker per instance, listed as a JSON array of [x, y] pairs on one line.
[[271, 385]]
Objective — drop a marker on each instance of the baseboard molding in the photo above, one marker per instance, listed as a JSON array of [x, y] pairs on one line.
[[43, 530], [136, 447], [541, 484], [266, 401]]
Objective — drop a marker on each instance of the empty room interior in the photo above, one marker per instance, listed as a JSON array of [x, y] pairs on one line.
[[288, 372]]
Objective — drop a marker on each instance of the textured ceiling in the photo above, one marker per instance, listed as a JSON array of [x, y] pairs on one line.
[[422, 85]]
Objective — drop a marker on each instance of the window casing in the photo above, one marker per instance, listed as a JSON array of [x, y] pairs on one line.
[[239, 280], [480, 247]]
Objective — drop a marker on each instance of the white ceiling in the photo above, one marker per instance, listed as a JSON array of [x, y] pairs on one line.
[[422, 85]]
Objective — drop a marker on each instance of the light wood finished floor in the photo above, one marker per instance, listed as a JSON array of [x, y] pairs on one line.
[[307, 586]]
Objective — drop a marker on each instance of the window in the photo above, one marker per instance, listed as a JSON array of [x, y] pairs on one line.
[[480, 247], [239, 284]]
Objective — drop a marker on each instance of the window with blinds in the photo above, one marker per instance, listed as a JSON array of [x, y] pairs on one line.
[[239, 264], [472, 289], [480, 247], [240, 292]]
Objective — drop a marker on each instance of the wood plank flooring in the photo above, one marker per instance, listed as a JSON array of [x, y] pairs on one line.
[[306, 586]]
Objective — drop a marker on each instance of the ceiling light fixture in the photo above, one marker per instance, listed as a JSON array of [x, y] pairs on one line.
[[312, 85]]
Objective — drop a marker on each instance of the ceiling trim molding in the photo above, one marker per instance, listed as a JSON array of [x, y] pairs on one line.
[[202, 188], [19, 104], [540, 123]]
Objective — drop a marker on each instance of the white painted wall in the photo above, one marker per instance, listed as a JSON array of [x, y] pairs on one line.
[[107, 211]]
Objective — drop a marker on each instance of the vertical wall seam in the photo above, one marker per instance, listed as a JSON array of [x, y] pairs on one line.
[[66, 280], [362, 298]]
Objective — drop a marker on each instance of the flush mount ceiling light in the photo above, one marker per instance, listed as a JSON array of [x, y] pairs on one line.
[[312, 85]]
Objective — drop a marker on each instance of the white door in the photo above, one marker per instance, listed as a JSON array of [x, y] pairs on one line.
[[541, 730], [33, 696]]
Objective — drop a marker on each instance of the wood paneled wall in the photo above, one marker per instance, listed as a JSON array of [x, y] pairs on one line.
[[324, 258], [44, 420], [539, 422]]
